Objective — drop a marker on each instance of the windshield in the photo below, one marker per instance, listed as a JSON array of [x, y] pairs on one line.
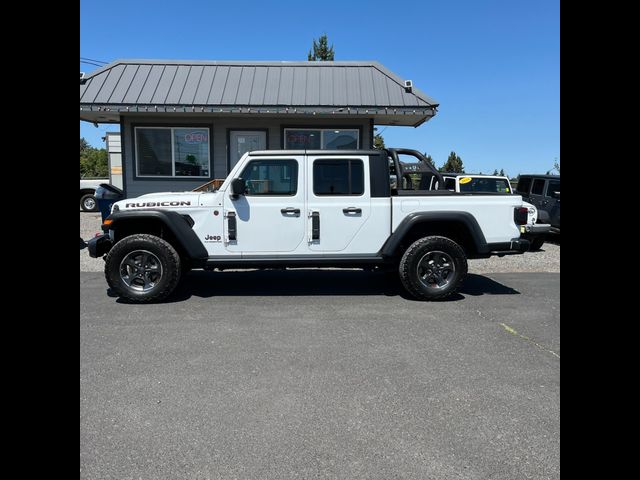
[[486, 185]]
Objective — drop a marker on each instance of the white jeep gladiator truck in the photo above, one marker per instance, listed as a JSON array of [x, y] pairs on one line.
[[310, 208]]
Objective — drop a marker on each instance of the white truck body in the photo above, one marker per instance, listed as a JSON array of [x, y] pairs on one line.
[[310, 208], [263, 229]]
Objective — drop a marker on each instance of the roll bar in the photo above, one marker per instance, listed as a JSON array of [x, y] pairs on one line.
[[394, 152]]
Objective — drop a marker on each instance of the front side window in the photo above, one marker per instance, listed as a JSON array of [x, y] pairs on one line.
[[338, 177], [321, 139], [538, 187], [172, 152], [271, 177], [523, 185]]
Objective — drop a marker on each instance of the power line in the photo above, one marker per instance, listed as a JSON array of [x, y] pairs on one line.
[[94, 64], [93, 60]]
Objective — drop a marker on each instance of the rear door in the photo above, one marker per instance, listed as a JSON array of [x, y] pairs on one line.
[[339, 203]]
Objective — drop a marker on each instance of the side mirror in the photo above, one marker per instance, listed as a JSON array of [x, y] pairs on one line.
[[238, 187], [555, 194]]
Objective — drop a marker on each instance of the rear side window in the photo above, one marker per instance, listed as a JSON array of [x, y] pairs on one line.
[[523, 185], [486, 185], [553, 186], [538, 187], [338, 177]]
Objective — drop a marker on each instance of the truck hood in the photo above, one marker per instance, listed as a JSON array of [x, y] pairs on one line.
[[161, 200]]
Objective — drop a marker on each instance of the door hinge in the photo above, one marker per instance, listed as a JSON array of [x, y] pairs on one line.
[[315, 226], [232, 227]]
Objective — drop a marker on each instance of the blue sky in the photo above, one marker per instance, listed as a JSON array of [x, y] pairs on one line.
[[494, 66]]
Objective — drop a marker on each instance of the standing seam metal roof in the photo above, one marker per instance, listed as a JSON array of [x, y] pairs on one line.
[[322, 84]]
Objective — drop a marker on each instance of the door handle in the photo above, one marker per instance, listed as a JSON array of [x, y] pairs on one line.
[[349, 210], [290, 210]]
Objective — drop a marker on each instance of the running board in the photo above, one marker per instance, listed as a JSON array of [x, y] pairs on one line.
[[264, 261]]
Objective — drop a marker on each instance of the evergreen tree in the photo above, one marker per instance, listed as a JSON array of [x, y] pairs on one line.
[[378, 141], [321, 52], [453, 164], [84, 145], [495, 171], [94, 162], [502, 174], [430, 160]]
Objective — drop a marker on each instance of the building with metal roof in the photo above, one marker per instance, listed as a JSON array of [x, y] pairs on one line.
[[183, 123]]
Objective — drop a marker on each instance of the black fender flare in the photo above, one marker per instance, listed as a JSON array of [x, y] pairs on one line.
[[415, 218], [173, 221]]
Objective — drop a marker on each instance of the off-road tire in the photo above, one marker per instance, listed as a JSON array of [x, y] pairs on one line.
[[165, 253], [536, 244], [410, 261], [86, 197]]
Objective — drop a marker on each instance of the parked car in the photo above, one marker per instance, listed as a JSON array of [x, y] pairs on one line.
[[309, 208], [88, 187], [543, 191], [534, 231]]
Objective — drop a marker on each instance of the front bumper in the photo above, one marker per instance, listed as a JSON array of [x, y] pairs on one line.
[[99, 246]]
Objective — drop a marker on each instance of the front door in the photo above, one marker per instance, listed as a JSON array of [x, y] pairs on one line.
[[243, 141], [536, 197], [270, 216]]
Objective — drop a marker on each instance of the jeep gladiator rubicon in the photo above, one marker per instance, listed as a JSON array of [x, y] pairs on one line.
[[310, 208]]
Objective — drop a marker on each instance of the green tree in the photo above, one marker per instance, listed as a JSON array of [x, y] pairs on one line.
[[502, 174], [321, 51], [378, 141], [94, 163], [453, 164], [430, 160], [84, 145], [495, 171]]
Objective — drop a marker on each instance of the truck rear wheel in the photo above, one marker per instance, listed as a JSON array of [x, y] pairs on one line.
[[433, 268], [143, 268]]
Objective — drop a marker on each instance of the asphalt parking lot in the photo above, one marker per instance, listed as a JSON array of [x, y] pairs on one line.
[[321, 374]]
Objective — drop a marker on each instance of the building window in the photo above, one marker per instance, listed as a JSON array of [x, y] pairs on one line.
[[338, 177], [172, 152], [271, 177], [321, 139]]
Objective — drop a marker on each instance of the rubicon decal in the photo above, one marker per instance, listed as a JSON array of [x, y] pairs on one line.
[[158, 204]]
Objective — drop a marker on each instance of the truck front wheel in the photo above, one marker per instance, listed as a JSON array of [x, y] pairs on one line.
[[143, 268], [88, 203], [433, 268]]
